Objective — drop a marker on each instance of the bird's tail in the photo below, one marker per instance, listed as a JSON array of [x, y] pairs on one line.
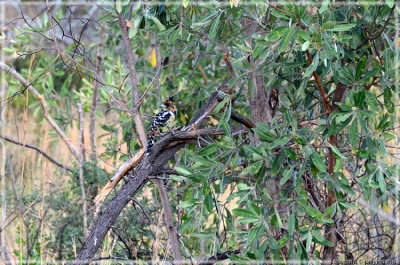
[[150, 143]]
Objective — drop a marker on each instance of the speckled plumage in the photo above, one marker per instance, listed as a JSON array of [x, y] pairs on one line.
[[162, 121]]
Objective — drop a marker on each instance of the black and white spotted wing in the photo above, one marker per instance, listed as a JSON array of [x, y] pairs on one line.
[[160, 120]]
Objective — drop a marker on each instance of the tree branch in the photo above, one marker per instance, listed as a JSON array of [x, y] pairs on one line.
[[92, 121], [45, 108], [172, 231], [40, 151], [219, 257], [134, 82], [377, 34], [152, 163], [81, 161]]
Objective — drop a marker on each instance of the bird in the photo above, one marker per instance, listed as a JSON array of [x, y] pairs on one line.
[[162, 122]]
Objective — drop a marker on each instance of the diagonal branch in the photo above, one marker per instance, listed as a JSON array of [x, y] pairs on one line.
[[45, 108], [40, 151], [152, 163]]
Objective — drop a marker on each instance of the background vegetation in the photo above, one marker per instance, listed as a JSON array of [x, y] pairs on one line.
[[316, 179]]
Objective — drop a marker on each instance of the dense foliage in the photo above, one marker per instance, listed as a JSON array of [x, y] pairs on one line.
[[318, 175]]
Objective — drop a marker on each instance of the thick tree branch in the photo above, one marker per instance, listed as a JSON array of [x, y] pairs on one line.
[[152, 163], [40, 151]]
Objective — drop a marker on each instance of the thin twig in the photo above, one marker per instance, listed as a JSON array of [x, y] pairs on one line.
[[46, 115], [40, 151], [92, 121]]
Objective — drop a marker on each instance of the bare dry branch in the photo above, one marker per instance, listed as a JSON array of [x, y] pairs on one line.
[[92, 122], [134, 82], [40, 151], [45, 108], [161, 153], [81, 161]]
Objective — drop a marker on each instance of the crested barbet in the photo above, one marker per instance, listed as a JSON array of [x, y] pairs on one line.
[[163, 121]]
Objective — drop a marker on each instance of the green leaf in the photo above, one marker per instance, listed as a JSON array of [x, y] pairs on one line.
[[159, 25], [360, 68], [177, 178], [318, 161], [135, 26], [389, 136], [309, 240], [287, 174], [324, 6], [118, 6], [338, 165], [183, 170], [286, 39], [381, 181], [312, 67], [272, 243], [243, 212], [390, 3], [342, 27], [248, 220], [276, 33], [208, 150], [337, 152], [203, 235], [305, 45], [189, 203], [276, 165], [254, 208], [371, 100], [214, 28], [359, 98], [353, 132], [311, 210], [243, 186], [320, 239], [279, 142], [387, 97], [291, 224], [348, 205]]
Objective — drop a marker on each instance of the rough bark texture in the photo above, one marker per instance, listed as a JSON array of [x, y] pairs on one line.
[[168, 219], [259, 98], [261, 103], [152, 163]]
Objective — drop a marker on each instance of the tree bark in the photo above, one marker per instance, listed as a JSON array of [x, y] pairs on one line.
[[152, 163], [92, 121], [172, 231], [81, 161], [134, 82]]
